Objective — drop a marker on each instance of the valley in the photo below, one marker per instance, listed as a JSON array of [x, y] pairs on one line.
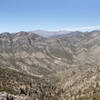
[[56, 68]]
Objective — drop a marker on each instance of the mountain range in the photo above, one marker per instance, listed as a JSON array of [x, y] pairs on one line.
[[67, 61], [50, 33]]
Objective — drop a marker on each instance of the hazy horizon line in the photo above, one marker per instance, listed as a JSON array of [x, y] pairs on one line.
[[70, 29]]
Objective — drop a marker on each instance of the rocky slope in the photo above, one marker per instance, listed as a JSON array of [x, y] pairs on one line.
[[69, 61], [20, 86]]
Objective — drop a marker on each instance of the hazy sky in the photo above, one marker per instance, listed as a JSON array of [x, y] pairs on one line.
[[28, 15]]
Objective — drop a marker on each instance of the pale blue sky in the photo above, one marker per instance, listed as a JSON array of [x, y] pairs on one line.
[[28, 15]]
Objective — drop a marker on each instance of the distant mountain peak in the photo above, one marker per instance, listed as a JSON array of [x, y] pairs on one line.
[[45, 33]]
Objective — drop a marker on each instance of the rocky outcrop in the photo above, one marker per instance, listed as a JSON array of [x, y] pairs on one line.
[[6, 96]]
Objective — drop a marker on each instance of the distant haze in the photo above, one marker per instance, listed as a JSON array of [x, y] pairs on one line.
[[50, 33]]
